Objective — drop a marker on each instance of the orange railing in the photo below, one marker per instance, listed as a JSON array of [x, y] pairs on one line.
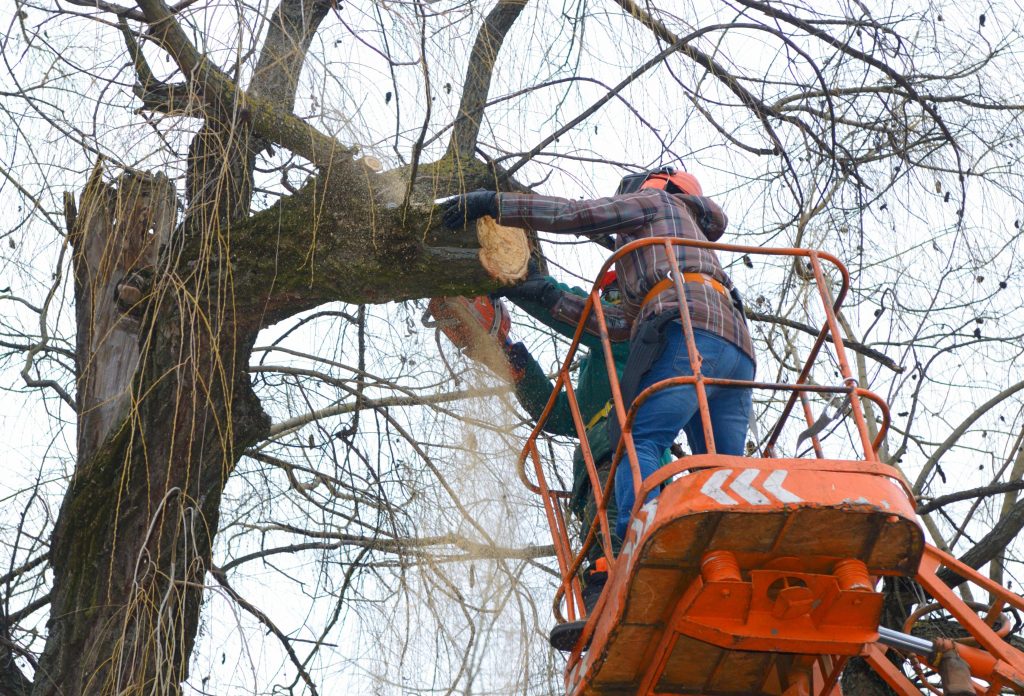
[[570, 561]]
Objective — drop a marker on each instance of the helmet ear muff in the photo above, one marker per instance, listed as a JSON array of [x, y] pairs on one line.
[[656, 181]]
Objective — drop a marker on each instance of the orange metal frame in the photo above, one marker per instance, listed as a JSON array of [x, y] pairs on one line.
[[824, 608], [569, 563]]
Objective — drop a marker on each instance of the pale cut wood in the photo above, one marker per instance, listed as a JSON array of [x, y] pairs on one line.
[[504, 251]]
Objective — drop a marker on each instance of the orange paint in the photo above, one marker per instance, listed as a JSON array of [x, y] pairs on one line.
[[754, 575]]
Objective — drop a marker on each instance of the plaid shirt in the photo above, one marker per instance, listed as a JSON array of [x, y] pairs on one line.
[[641, 215]]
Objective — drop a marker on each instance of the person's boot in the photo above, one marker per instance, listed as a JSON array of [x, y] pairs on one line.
[[593, 588], [564, 636]]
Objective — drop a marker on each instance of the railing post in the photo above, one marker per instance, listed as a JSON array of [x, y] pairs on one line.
[[691, 350], [844, 365]]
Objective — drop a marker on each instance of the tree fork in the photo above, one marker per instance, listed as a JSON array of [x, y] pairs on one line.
[[165, 416]]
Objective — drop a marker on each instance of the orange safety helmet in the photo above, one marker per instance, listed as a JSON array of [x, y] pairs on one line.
[[661, 178], [684, 181]]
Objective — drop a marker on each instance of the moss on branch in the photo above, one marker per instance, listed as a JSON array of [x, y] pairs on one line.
[[346, 238]]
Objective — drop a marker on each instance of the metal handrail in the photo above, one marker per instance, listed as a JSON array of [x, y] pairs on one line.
[[569, 562]]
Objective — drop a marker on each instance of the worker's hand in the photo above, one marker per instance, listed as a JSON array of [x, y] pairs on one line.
[[536, 288], [462, 210], [518, 359]]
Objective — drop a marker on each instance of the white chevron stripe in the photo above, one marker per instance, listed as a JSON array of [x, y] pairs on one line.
[[741, 487], [712, 488], [773, 484]]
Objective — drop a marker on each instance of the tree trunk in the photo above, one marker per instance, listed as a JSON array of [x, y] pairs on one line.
[[156, 443], [166, 403]]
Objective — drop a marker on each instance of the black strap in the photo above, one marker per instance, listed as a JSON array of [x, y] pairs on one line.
[[842, 406], [646, 346]]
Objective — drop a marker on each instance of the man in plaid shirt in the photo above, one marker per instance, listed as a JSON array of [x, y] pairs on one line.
[[662, 203]]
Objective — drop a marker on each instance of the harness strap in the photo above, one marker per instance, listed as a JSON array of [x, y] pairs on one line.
[[605, 410], [666, 283]]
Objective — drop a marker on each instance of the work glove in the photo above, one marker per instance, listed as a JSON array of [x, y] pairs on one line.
[[462, 210], [518, 359], [536, 288]]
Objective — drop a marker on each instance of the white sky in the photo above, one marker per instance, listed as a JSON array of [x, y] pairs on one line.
[[906, 247]]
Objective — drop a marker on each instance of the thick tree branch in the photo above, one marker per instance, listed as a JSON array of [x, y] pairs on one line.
[[479, 70], [990, 546], [344, 237], [980, 492], [289, 34]]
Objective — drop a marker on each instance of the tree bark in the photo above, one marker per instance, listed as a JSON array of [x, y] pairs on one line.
[[168, 413], [166, 404], [861, 680]]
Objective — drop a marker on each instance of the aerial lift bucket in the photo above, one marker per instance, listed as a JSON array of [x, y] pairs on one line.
[[760, 575]]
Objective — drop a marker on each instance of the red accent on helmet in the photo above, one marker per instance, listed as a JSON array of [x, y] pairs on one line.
[[684, 181], [607, 279]]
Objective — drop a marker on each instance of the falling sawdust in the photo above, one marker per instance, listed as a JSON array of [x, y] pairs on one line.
[[483, 586], [492, 438], [490, 442]]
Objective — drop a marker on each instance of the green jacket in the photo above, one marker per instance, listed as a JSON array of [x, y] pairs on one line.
[[592, 392]]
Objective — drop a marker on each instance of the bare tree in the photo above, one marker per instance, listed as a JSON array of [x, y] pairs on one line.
[[254, 179]]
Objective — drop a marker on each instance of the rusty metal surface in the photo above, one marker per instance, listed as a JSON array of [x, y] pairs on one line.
[[658, 611], [756, 575]]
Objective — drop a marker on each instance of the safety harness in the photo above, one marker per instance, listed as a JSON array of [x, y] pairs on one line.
[[666, 283]]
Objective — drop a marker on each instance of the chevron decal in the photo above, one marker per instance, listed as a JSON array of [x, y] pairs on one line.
[[773, 484], [744, 486], [712, 488]]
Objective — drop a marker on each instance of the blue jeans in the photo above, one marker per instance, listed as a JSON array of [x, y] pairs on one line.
[[668, 411]]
